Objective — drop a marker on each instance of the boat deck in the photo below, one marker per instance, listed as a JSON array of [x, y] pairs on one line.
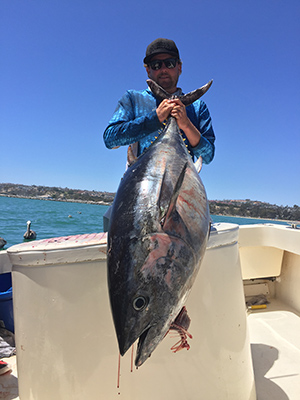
[[275, 346]]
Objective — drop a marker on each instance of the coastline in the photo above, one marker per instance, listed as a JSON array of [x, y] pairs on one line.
[[241, 208], [291, 221], [101, 203]]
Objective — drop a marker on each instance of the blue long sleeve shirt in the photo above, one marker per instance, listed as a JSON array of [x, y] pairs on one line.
[[135, 120]]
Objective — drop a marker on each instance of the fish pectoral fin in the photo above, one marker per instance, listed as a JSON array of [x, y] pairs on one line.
[[164, 196], [172, 204]]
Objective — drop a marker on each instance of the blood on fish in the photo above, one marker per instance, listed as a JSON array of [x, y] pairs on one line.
[[119, 366], [132, 348]]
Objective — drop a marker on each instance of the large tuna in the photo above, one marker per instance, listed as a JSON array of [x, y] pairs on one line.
[[157, 238]]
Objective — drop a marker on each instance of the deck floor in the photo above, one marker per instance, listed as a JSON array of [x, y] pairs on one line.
[[275, 346]]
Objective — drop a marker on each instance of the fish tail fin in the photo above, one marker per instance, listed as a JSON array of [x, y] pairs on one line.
[[189, 98], [157, 90], [186, 99]]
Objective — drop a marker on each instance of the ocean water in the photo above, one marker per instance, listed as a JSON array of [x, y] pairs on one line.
[[54, 219], [48, 218]]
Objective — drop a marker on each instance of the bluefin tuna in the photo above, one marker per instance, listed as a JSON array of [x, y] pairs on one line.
[[157, 237]]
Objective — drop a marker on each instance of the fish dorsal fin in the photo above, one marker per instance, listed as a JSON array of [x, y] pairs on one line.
[[186, 99], [198, 164], [174, 197]]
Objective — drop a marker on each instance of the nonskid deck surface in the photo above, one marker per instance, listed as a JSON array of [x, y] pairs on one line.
[[275, 346]]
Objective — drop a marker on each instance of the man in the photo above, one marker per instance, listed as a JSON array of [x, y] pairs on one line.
[[139, 116]]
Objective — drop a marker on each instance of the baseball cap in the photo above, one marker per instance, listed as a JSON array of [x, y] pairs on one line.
[[159, 46]]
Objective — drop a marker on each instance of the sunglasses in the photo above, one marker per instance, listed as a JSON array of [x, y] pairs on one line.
[[157, 64]]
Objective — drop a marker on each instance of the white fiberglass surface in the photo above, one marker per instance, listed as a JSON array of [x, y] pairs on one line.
[[275, 346]]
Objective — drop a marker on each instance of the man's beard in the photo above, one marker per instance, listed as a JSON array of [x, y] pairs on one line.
[[168, 83]]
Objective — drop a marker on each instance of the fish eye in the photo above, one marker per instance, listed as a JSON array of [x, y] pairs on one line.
[[139, 303]]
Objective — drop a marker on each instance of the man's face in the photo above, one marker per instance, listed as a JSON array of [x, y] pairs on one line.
[[167, 78]]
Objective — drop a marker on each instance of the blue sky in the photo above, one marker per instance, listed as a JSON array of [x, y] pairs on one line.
[[65, 63]]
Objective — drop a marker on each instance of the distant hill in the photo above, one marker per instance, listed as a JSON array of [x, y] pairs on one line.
[[254, 209], [55, 193], [240, 208]]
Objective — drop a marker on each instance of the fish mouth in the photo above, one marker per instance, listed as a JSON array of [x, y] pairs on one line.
[[142, 352]]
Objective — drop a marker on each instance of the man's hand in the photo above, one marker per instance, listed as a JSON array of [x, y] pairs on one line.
[[178, 111], [184, 123], [164, 109]]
